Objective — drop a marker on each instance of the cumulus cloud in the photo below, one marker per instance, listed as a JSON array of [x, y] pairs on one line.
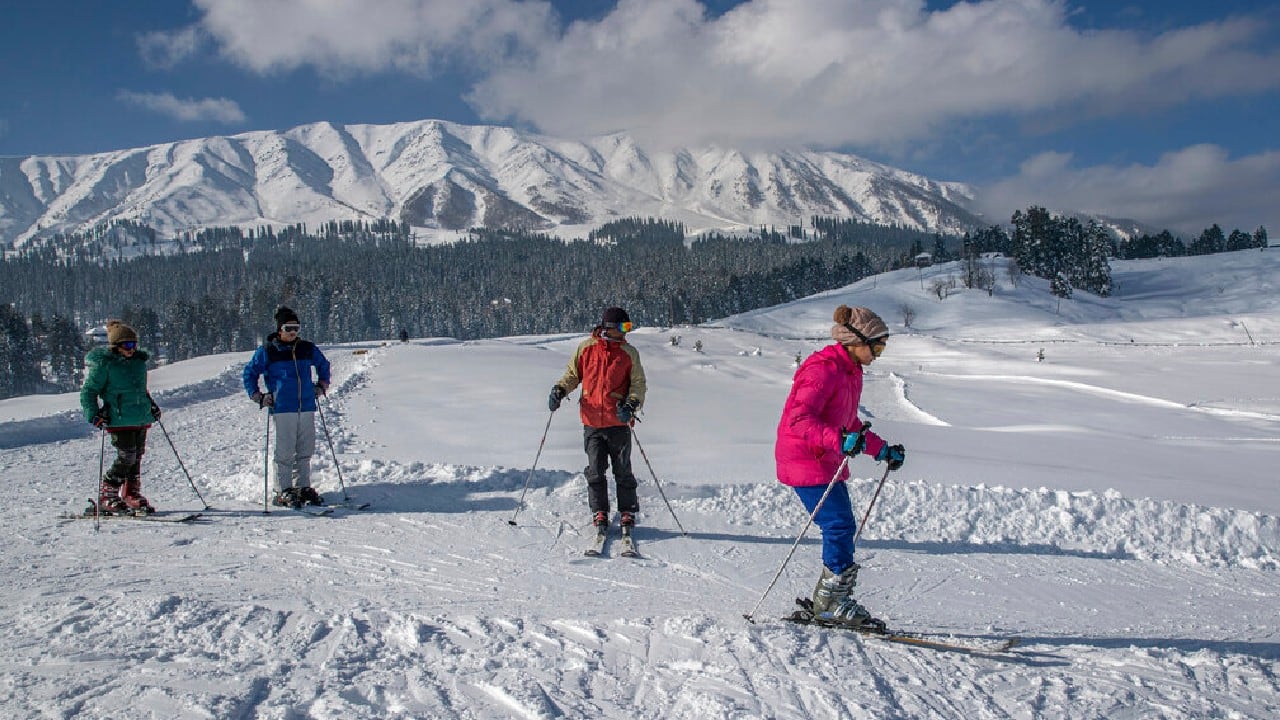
[[166, 49], [837, 73], [345, 37], [871, 73], [1185, 191], [220, 110]]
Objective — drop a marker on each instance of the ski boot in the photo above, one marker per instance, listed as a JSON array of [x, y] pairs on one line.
[[833, 602], [133, 499], [600, 519], [628, 520], [309, 496], [109, 500], [287, 497]]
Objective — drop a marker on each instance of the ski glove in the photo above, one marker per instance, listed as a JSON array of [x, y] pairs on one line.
[[851, 443], [553, 400], [155, 409], [100, 418], [894, 454], [322, 388], [627, 409], [263, 399]]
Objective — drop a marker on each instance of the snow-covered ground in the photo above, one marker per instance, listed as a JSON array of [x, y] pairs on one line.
[[1114, 505]]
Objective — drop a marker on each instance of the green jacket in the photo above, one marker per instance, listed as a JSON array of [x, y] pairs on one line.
[[121, 384]]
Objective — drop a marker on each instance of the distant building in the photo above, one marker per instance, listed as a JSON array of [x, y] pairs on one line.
[[924, 260], [96, 335]]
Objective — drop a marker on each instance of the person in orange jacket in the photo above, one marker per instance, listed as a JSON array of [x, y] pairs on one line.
[[613, 389]]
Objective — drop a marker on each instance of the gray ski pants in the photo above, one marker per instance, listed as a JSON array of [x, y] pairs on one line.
[[295, 444]]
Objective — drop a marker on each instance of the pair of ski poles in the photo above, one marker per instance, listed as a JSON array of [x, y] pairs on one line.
[[266, 461], [858, 444], [102, 460], [643, 454]]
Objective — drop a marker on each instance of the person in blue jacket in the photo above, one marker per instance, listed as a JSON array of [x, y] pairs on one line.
[[286, 362]]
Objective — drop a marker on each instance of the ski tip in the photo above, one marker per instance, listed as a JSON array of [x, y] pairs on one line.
[[512, 523]]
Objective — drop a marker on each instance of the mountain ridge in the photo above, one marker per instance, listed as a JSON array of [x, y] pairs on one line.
[[445, 176]]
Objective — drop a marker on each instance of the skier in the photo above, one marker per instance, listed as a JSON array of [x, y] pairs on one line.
[[819, 425], [613, 390], [285, 362], [404, 335], [117, 375]]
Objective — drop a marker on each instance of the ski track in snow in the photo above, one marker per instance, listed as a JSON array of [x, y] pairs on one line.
[[430, 605]]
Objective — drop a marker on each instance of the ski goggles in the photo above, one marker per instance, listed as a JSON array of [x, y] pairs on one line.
[[876, 345], [290, 327], [127, 344], [625, 327]]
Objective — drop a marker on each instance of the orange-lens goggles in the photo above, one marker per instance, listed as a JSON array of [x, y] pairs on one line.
[[625, 327], [877, 346]]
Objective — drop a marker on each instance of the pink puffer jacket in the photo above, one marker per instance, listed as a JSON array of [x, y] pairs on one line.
[[824, 398]]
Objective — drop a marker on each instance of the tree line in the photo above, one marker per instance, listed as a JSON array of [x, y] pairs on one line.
[[353, 281]]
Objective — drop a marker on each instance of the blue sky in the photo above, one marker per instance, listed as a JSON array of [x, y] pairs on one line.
[[1165, 111]]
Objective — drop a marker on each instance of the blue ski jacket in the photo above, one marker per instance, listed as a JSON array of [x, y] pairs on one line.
[[286, 371]]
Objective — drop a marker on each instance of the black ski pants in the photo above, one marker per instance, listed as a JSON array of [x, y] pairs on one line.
[[130, 444], [609, 446]]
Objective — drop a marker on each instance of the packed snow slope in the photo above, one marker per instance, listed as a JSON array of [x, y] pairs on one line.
[[1113, 505]]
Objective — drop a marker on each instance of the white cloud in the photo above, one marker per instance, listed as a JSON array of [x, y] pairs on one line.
[[220, 110], [1185, 191], [856, 72], [167, 49], [344, 37]]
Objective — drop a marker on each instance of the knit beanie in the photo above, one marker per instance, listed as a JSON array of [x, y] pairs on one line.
[[285, 315], [861, 319], [118, 332], [614, 315]]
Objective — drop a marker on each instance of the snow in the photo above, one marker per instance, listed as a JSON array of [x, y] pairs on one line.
[[1113, 505]]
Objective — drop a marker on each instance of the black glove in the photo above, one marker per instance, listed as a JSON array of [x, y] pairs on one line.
[[155, 409], [553, 400], [627, 409], [322, 388], [895, 454], [263, 399], [100, 418]]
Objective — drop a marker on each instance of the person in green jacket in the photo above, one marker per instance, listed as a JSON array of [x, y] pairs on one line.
[[115, 399]]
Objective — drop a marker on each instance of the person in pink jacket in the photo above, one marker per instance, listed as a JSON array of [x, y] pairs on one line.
[[819, 427]]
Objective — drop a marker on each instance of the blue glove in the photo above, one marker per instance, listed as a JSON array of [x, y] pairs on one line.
[[852, 443], [100, 418], [895, 454], [627, 409], [553, 401]]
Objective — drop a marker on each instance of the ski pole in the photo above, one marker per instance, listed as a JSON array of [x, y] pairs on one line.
[[658, 484], [751, 615], [266, 469], [520, 505], [867, 514], [329, 439], [857, 446], [102, 459], [181, 464]]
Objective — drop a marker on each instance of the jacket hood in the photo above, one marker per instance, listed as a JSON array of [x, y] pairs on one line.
[[103, 353]]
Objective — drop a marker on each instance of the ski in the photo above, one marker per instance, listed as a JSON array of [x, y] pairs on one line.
[[597, 543], [350, 505], [172, 517], [628, 544], [314, 510], [804, 616]]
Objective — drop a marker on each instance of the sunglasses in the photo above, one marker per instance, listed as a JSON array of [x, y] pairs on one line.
[[290, 327], [625, 327], [127, 345]]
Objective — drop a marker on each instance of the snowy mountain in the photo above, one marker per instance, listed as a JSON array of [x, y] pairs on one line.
[[1114, 505], [445, 176]]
